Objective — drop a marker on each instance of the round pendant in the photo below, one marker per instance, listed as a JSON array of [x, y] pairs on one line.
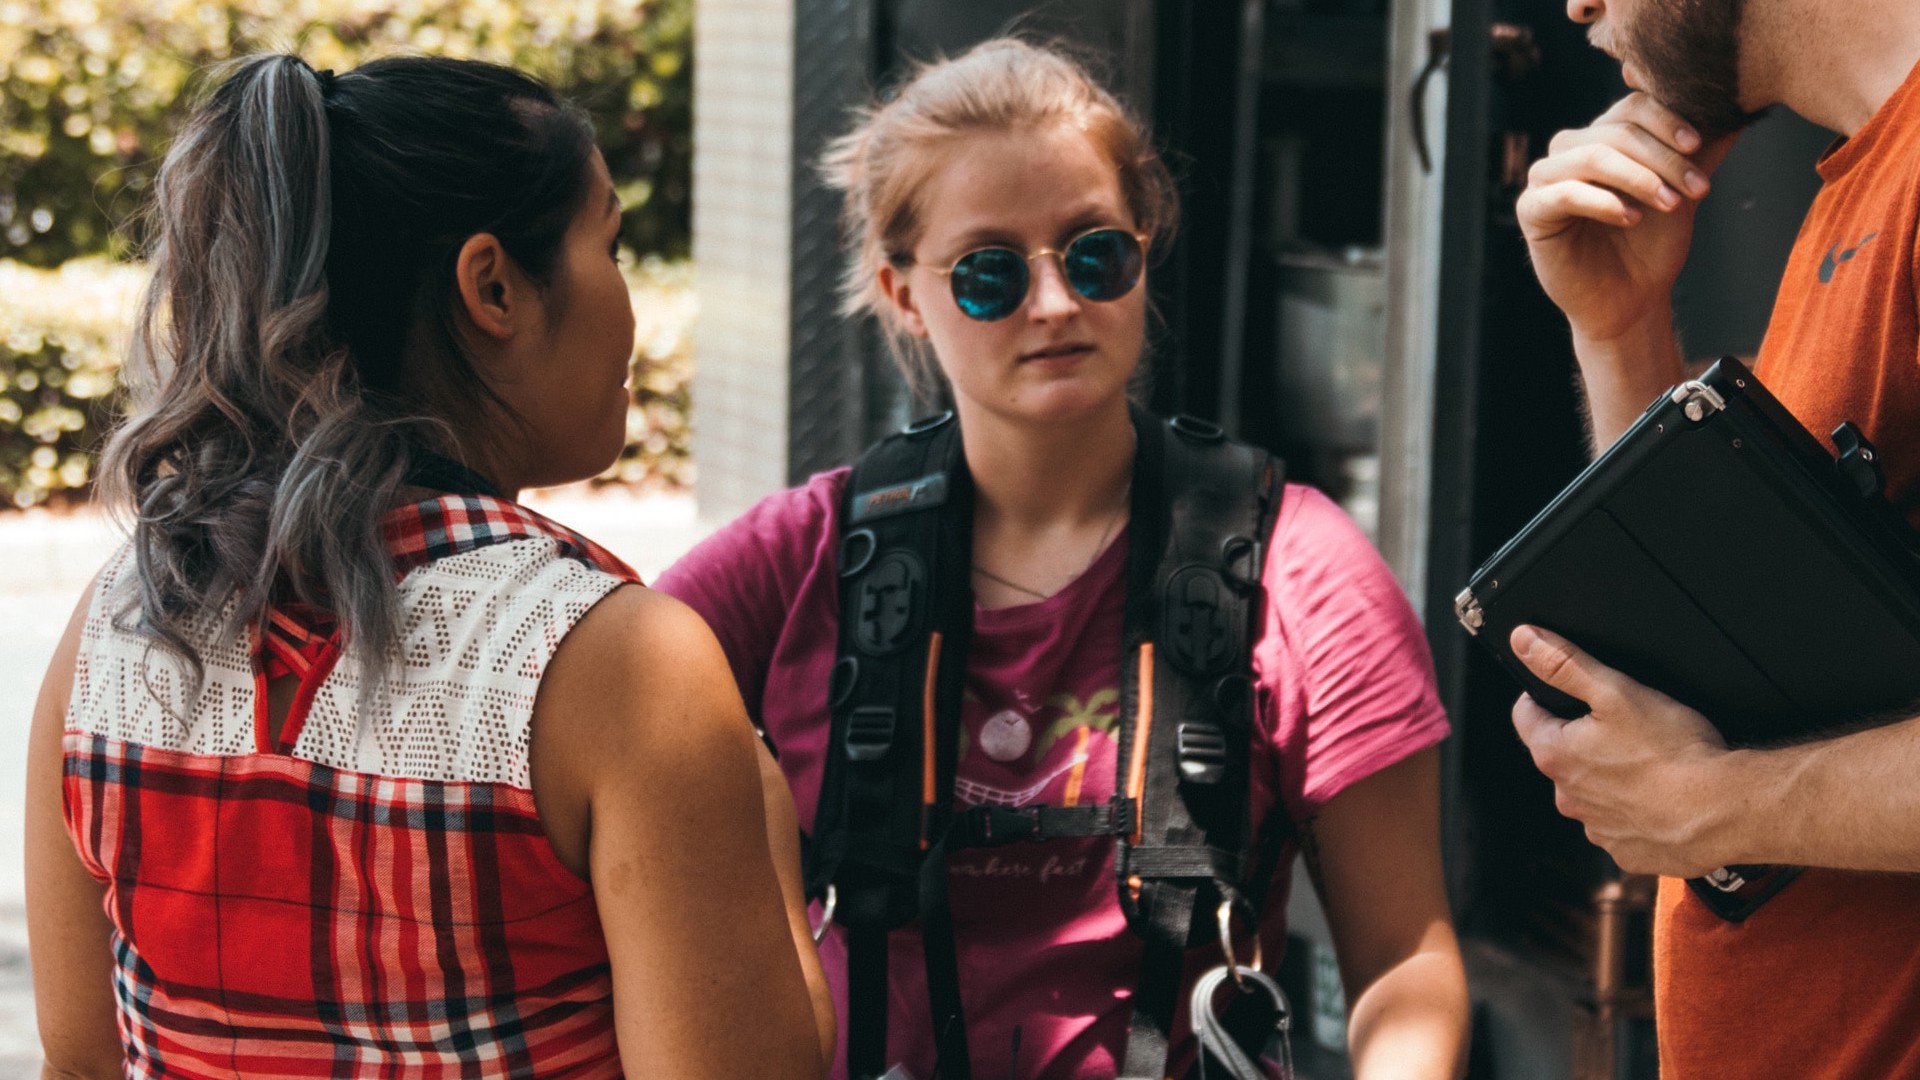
[[1006, 735]]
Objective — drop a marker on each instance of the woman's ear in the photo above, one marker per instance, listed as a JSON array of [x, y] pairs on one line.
[[492, 291], [893, 283]]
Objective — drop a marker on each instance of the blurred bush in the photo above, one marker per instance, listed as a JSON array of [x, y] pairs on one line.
[[659, 449], [63, 333], [90, 91]]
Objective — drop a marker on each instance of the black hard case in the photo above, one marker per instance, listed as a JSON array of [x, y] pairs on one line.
[[1717, 552]]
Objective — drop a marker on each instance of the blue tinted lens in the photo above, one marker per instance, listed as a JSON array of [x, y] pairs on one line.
[[989, 284], [1103, 265]]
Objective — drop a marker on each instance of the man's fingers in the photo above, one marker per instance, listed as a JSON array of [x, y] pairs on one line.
[[1546, 211], [1662, 123], [1538, 728], [1606, 166], [1561, 664], [1624, 156]]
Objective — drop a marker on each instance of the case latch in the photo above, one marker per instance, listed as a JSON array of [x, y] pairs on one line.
[[1698, 400], [1466, 608], [1859, 462]]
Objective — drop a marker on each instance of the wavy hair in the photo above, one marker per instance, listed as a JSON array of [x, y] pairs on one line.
[[297, 350]]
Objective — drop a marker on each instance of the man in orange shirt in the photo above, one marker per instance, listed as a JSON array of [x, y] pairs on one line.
[[1823, 980]]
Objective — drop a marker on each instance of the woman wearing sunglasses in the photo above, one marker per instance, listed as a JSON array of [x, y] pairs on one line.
[[1004, 206]]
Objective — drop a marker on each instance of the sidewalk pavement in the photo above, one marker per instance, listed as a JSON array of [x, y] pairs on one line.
[[46, 561]]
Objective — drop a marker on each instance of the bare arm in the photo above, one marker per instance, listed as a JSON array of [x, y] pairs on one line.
[[644, 757], [783, 836], [1658, 789], [1398, 955], [67, 928], [1608, 217]]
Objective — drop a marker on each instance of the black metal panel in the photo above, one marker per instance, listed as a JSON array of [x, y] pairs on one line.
[[924, 29], [826, 402], [1463, 248], [1195, 81]]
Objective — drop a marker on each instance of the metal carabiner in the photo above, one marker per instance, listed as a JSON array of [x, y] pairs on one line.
[[1225, 916], [827, 905]]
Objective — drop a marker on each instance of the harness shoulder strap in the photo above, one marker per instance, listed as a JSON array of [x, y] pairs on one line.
[[1203, 510], [906, 611]]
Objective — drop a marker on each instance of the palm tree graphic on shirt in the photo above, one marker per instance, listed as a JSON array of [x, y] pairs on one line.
[[1099, 712]]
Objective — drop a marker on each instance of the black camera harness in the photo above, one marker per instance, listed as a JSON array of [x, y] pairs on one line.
[[1202, 509]]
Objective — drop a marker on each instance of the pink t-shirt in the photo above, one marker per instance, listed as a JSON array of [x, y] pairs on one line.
[[1344, 688]]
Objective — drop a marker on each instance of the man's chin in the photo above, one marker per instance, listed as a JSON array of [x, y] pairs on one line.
[[1714, 115], [1714, 126]]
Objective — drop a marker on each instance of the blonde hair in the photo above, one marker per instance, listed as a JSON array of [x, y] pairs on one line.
[[1005, 84]]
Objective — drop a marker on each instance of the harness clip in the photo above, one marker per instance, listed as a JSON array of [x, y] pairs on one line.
[[1225, 917], [869, 733], [1203, 752], [988, 825], [1195, 430]]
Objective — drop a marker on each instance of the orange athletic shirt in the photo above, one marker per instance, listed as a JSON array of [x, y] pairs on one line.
[[1823, 982]]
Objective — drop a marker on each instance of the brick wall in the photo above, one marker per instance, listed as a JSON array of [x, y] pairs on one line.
[[742, 209]]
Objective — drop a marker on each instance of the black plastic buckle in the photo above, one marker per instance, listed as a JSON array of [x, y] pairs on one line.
[[869, 733], [1196, 430], [1859, 462], [1241, 563], [1203, 752], [984, 826], [856, 551], [928, 424]]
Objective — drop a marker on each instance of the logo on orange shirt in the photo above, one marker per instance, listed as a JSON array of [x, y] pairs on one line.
[[1831, 264]]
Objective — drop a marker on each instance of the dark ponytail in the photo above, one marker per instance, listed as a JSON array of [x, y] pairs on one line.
[[297, 350]]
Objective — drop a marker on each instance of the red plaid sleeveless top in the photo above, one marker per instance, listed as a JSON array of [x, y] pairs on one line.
[[367, 894]]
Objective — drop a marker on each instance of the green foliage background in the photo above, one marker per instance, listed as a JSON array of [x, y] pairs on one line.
[[92, 90]]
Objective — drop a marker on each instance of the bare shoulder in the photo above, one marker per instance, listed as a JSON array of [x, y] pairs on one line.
[[637, 650], [640, 684], [637, 701]]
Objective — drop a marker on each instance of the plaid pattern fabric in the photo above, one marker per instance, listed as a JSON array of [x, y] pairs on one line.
[[296, 640], [277, 917], [455, 524]]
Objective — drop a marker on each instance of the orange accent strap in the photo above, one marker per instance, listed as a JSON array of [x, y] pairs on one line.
[[1071, 797], [1142, 731], [926, 739]]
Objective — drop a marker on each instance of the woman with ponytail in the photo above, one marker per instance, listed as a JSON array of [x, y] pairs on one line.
[[348, 764]]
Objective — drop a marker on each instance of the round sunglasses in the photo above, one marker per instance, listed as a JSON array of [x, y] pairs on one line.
[[991, 283]]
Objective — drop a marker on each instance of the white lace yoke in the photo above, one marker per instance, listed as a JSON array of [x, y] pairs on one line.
[[478, 629]]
